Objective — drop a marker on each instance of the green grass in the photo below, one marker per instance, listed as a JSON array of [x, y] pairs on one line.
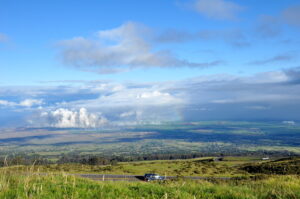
[[14, 185], [24, 182], [191, 167], [286, 166]]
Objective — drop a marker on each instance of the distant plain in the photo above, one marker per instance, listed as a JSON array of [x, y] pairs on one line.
[[214, 137]]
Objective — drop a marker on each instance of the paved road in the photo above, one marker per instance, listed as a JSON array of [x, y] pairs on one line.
[[110, 177], [131, 178]]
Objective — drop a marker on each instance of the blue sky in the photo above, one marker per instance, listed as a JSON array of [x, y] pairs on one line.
[[56, 45]]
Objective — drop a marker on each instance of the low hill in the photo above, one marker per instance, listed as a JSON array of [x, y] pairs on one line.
[[282, 166]]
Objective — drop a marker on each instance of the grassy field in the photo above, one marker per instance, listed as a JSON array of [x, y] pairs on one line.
[[23, 182], [260, 179], [192, 167], [14, 185]]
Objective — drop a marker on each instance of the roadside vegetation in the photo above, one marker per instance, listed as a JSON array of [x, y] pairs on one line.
[[42, 163], [285, 166], [207, 166], [257, 179], [52, 186]]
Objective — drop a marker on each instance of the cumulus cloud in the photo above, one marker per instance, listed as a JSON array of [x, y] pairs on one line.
[[120, 49], [134, 102], [169, 101], [268, 95], [218, 9], [65, 118]]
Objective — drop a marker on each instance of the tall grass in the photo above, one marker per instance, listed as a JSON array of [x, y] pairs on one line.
[[193, 167], [28, 185]]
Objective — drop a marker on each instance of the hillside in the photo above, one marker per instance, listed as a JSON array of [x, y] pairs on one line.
[[53, 186], [59, 180], [284, 166], [207, 166]]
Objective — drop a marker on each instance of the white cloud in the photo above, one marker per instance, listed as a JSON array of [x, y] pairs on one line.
[[65, 118], [258, 107], [120, 49], [218, 9], [131, 103], [7, 103], [154, 94], [289, 122], [31, 102], [24, 103], [134, 97], [128, 114], [272, 95]]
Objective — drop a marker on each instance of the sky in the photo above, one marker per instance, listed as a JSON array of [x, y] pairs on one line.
[[94, 63]]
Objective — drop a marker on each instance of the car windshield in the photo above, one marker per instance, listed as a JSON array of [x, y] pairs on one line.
[[151, 175]]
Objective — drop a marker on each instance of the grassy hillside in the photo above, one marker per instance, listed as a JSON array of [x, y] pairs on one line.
[[23, 182], [282, 167], [16, 185], [229, 166]]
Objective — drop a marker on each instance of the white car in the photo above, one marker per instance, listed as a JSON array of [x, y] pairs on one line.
[[152, 176]]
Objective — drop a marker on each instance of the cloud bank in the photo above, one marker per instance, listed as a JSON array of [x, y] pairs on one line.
[[273, 95]]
